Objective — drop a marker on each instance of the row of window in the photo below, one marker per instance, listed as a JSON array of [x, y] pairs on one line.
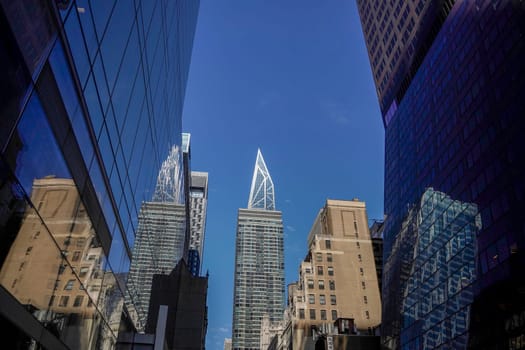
[[64, 301], [322, 313], [322, 299], [320, 284]]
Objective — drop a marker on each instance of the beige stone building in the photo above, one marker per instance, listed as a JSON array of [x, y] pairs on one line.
[[337, 278]]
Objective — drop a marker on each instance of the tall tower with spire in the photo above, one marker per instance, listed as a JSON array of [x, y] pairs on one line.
[[259, 261]]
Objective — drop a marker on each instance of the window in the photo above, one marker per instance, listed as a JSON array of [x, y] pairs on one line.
[[358, 245], [308, 270], [359, 257], [329, 257], [311, 299], [322, 299], [321, 284], [361, 271], [76, 255], [330, 271], [81, 242], [367, 314], [323, 314], [318, 256], [365, 299], [299, 299], [78, 300], [312, 314], [328, 244], [61, 269], [310, 284], [334, 315], [363, 284], [333, 300], [69, 285], [28, 250], [320, 270], [63, 300], [83, 271], [332, 285], [51, 300], [301, 314]]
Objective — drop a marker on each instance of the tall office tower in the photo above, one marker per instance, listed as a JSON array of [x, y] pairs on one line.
[[451, 84], [197, 223], [338, 277], [186, 174], [259, 262], [92, 92]]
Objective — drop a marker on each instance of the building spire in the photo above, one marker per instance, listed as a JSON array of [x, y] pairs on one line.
[[262, 194], [168, 187]]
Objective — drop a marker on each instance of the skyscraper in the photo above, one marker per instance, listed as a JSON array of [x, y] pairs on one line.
[[451, 86], [259, 262], [197, 223], [92, 93]]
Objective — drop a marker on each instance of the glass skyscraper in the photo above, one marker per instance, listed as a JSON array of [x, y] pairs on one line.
[[451, 84], [259, 262], [91, 100]]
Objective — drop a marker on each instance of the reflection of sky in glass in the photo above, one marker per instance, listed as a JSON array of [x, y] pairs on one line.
[[39, 156]]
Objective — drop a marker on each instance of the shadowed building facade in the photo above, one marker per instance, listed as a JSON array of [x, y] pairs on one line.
[[451, 86], [259, 262]]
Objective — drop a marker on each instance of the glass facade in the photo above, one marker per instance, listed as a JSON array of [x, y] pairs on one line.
[[92, 97], [457, 127]]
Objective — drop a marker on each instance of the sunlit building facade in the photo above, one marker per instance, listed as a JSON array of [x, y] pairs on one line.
[[259, 262], [451, 85], [337, 278], [92, 96]]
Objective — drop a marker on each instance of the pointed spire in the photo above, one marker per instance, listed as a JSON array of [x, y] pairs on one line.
[[168, 187], [262, 194]]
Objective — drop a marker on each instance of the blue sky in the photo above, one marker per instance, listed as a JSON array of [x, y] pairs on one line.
[[293, 78]]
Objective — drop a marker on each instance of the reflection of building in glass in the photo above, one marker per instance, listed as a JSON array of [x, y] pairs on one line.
[[170, 227], [259, 262], [92, 92], [158, 248], [451, 85], [337, 279], [57, 252], [431, 271], [197, 223]]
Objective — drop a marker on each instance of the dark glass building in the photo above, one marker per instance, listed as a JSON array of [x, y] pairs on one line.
[[91, 100], [451, 84]]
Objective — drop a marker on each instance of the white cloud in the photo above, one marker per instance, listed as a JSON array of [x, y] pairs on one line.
[[336, 112], [290, 228]]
